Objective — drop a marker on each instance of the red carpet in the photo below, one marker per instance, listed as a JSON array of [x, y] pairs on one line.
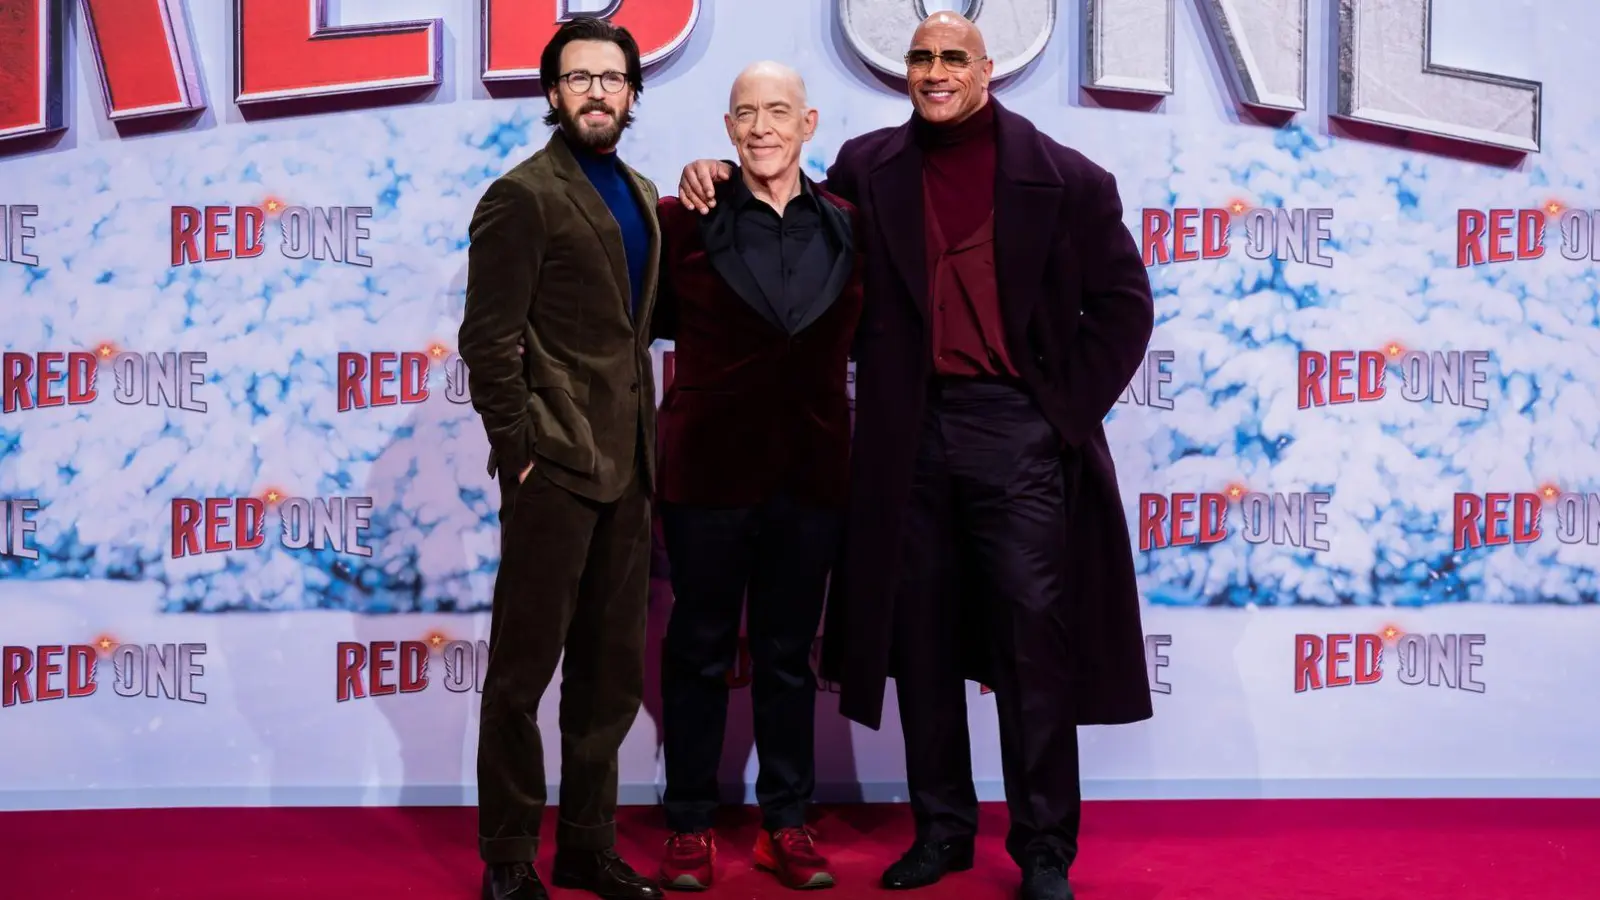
[[1196, 850]]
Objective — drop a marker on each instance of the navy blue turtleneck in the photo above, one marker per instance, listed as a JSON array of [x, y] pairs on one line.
[[611, 181]]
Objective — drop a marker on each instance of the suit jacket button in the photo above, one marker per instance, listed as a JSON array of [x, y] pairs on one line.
[[634, 387]]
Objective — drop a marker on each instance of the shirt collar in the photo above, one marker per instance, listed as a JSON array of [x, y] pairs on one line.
[[743, 197]]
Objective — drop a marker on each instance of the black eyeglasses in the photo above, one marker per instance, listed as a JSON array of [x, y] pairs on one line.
[[610, 82], [953, 59]]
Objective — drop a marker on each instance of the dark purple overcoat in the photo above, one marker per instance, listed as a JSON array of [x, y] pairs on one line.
[[1078, 316]]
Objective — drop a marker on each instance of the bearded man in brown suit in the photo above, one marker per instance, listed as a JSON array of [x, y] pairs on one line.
[[561, 281]]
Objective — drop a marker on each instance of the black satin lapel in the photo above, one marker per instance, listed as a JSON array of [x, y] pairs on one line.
[[716, 231], [897, 193], [838, 227]]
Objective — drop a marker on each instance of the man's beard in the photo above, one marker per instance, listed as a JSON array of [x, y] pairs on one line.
[[595, 138]]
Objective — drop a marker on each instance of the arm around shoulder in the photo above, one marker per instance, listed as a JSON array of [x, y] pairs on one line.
[[843, 179], [504, 257]]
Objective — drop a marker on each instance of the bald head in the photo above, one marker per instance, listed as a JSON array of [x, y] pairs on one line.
[[948, 69], [769, 122], [768, 78], [952, 30]]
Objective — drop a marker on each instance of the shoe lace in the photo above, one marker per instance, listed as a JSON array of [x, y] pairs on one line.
[[920, 853], [688, 845], [523, 871], [612, 861], [797, 844], [1048, 862]]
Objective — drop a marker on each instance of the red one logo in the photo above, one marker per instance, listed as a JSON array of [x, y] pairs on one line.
[[1495, 519], [386, 668], [1499, 235], [1346, 659]]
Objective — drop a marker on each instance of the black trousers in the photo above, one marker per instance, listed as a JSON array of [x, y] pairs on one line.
[[574, 579], [779, 553], [987, 507]]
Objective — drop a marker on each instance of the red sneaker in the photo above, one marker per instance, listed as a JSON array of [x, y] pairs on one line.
[[688, 863], [790, 854]]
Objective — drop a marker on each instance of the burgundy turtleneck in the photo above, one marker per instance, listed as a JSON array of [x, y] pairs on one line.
[[958, 168], [958, 175]]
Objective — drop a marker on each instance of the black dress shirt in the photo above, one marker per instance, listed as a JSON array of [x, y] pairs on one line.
[[790, 255]]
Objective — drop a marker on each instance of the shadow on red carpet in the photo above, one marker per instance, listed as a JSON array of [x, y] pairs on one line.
[[1194, 850]]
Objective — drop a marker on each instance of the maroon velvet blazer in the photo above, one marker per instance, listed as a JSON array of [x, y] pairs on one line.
[[752, 409]]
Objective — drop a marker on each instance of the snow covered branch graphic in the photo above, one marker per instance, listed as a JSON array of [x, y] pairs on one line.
[[109, 471]]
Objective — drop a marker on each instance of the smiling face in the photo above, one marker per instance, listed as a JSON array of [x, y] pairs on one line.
[[768, 121], [593, 117], [944, 94]]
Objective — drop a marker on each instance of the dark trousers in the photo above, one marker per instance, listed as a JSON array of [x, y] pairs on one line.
[[574, 577], [779, 553], [987, 508]]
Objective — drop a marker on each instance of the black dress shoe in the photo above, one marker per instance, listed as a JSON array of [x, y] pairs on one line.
[[515, 882], [927, 862], [1044, 877], [603, 874]]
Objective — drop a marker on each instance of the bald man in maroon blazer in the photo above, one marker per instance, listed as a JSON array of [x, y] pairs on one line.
[[762, 298], [1006, 310]]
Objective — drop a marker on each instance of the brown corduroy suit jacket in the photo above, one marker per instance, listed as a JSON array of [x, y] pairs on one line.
[[547, 271]]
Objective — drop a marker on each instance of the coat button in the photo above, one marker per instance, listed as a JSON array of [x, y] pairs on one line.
[[634, 387]]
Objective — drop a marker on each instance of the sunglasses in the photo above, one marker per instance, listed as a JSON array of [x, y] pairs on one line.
[[952, 59]]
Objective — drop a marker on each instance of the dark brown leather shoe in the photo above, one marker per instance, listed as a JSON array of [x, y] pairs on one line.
[[603, 874], [514, 882]]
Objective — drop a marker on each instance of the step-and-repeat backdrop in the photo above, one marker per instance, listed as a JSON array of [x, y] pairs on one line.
[[247, 539]]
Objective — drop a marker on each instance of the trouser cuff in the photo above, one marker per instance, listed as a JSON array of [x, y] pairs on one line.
[[1019, 848], [792, 816], [589, 838], [687, 822], [508, 851], [945, 828]]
